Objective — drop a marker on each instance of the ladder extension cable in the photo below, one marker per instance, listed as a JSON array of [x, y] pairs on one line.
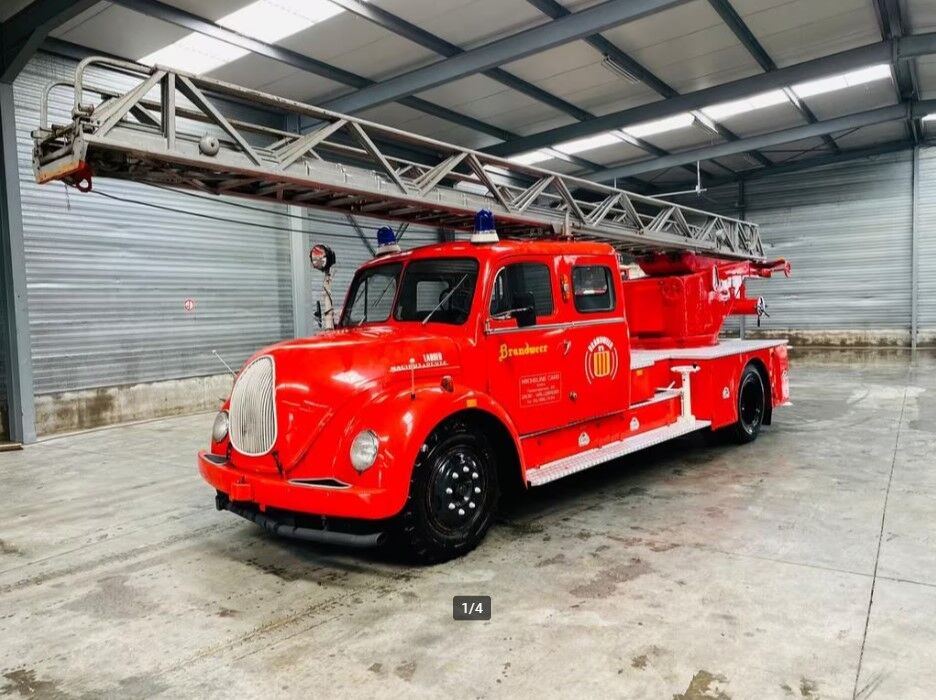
[[174, 210]]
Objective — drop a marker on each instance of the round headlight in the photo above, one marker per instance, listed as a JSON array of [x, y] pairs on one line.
[[364, 450], [219, 430]]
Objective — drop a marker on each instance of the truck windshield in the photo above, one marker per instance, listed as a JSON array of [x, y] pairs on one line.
[[440, 290], [372, 293]]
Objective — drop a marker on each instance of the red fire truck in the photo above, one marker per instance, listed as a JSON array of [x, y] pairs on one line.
[[458, 368], [454, 370]]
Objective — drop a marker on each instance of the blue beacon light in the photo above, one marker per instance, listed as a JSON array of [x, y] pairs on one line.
[[386, 241], [484, 229]]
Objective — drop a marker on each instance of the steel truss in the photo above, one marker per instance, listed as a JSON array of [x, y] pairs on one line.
[[167, 129]]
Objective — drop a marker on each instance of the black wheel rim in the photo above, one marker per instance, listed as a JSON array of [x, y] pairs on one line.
[[458, 489], [751, 404]]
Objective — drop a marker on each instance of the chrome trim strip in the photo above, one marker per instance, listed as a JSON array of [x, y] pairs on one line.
[[555, 326], [311, 483]]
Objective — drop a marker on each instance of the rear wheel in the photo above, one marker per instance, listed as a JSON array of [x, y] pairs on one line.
[[752, 406], [453, 492]]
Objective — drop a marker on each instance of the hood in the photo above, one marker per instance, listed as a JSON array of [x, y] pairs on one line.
[[316, 377]]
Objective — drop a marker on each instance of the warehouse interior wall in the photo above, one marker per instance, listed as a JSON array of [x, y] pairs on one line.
[[848, 231]]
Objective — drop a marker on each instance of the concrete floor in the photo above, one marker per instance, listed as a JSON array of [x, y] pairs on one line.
[[688, 571]]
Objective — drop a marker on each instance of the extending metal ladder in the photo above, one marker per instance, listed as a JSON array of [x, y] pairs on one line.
[[167, 128]]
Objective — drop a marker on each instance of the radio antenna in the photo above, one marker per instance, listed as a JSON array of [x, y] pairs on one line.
[[221, 359]]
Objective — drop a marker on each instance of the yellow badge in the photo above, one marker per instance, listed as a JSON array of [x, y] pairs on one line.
[[601, 359]]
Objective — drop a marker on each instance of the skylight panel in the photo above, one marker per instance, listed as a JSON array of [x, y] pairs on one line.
[[748, 104], [266, 20], [659, 126], [530, 158], [867, 75], [272, 20], [842, 81], [195, 53], [589, 142]]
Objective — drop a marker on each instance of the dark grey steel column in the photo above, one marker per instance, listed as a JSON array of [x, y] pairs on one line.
[[15, 335], [915, 251]]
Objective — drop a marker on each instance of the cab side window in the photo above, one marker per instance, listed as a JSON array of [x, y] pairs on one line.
[[592, 288], [520, 284]]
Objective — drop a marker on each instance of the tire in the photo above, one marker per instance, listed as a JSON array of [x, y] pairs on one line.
[[452, 496], [752, 406]]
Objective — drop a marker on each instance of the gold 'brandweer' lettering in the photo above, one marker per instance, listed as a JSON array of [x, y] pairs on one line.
[[527, 349]]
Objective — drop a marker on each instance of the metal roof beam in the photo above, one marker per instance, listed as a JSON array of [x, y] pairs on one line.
[[194, 23], [417, 35], [21, 34], [902, 49], [744, 34], [511, 48], [843, 156], [891, 23], [400, 27], [635, 68], [828, 126]]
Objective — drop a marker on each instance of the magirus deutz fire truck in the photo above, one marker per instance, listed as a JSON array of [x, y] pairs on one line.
[[518, 353]]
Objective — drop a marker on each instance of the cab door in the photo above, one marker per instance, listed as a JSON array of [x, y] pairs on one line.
[[599, 354], [525, 363]]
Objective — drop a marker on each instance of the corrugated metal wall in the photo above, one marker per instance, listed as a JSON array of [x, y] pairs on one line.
[[927, 241], [107, 280], [846, 228]]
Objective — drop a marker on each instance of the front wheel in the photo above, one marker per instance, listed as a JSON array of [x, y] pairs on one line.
[[452, 496], [752, 406]]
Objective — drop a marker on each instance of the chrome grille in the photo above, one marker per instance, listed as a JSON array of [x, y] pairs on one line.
[[253, 408]]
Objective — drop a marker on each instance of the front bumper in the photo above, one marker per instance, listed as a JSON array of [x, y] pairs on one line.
[[322, 499], [337, 531]]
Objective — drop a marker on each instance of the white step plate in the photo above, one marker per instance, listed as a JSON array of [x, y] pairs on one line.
[[590, 458]]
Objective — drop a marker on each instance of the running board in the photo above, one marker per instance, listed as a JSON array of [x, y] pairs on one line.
[[590, 458]]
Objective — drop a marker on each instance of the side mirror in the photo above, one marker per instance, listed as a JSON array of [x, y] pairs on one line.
[[525, 313]]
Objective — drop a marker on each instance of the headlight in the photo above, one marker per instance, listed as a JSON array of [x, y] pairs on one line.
[[219, 430], [364, 450]]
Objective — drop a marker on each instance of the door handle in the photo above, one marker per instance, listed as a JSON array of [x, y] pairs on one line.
[[565, 346]]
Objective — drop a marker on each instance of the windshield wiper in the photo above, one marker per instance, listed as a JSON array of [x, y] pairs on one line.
[[509, 313], [444, 299]]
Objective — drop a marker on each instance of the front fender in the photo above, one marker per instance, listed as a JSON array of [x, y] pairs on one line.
[[403, 421]]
